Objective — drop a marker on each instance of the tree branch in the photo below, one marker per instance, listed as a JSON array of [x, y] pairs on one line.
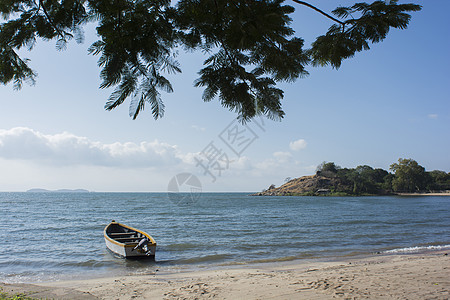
[[320, 11], [38, 8], [61, 34]]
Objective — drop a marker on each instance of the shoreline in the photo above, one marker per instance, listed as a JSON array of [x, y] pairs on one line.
[[379, 276], [344, 194], [446, 193]]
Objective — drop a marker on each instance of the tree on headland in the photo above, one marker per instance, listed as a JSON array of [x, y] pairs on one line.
[[409, 176], [367, 180], [251, 46], [327, 169], [440, 180]]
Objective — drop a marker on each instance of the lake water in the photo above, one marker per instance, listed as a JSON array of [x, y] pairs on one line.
[[52, 236]]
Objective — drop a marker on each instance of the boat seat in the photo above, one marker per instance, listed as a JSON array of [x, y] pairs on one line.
[[124, 239], [122, 233]]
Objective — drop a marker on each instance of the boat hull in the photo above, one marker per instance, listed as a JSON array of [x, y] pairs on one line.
[[115, 233], [126, 251]]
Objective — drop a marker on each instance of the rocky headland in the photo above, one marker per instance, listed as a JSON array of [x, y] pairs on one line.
[[308, 185]]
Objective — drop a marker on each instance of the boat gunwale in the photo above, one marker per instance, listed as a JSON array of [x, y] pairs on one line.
[[107, 237]]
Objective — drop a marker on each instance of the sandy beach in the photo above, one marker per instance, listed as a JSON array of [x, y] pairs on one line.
[[443, 193], [414, 276]]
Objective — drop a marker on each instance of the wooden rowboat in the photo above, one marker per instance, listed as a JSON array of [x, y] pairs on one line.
[[128, 242]]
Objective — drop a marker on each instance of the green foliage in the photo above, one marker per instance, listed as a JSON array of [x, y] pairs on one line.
[[13, 68], [19, 296], [250, 45], [353, 35], [338, 194], [367, 180], [327, 169], [254, 49], [4, 296], [438, 180], [409, 176], [362, 180]]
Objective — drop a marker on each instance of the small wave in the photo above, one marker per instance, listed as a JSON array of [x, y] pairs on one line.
[[418, 249], [353, 222], [181, 246], [91, 263], [279, 259], [38, 264]]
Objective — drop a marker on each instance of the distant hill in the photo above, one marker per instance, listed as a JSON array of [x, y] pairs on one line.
[[38, 191], [57, 191]]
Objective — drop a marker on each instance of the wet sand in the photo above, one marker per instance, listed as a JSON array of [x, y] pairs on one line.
[[413, 276]]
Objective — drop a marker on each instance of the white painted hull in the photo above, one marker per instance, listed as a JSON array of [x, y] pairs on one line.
[[127, 250]]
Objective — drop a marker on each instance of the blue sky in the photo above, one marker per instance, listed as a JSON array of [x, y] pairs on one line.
[[386, 103]]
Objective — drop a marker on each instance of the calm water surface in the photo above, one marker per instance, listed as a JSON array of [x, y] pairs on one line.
[[51, 236]]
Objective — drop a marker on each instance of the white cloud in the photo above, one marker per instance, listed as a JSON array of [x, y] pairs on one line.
[[22, 175], [297, 145], [64, 160], [23, 143], [278, 161], [242, 163], [283, 157], [198, 128], [432, 116]]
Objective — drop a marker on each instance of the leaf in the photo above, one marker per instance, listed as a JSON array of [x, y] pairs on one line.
[[61, 44], [136, 105], [342, 12], [96, 48], [125, 89], [79, 34]]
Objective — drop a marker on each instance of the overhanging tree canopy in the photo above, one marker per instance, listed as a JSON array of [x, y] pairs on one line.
[[250, 44]]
